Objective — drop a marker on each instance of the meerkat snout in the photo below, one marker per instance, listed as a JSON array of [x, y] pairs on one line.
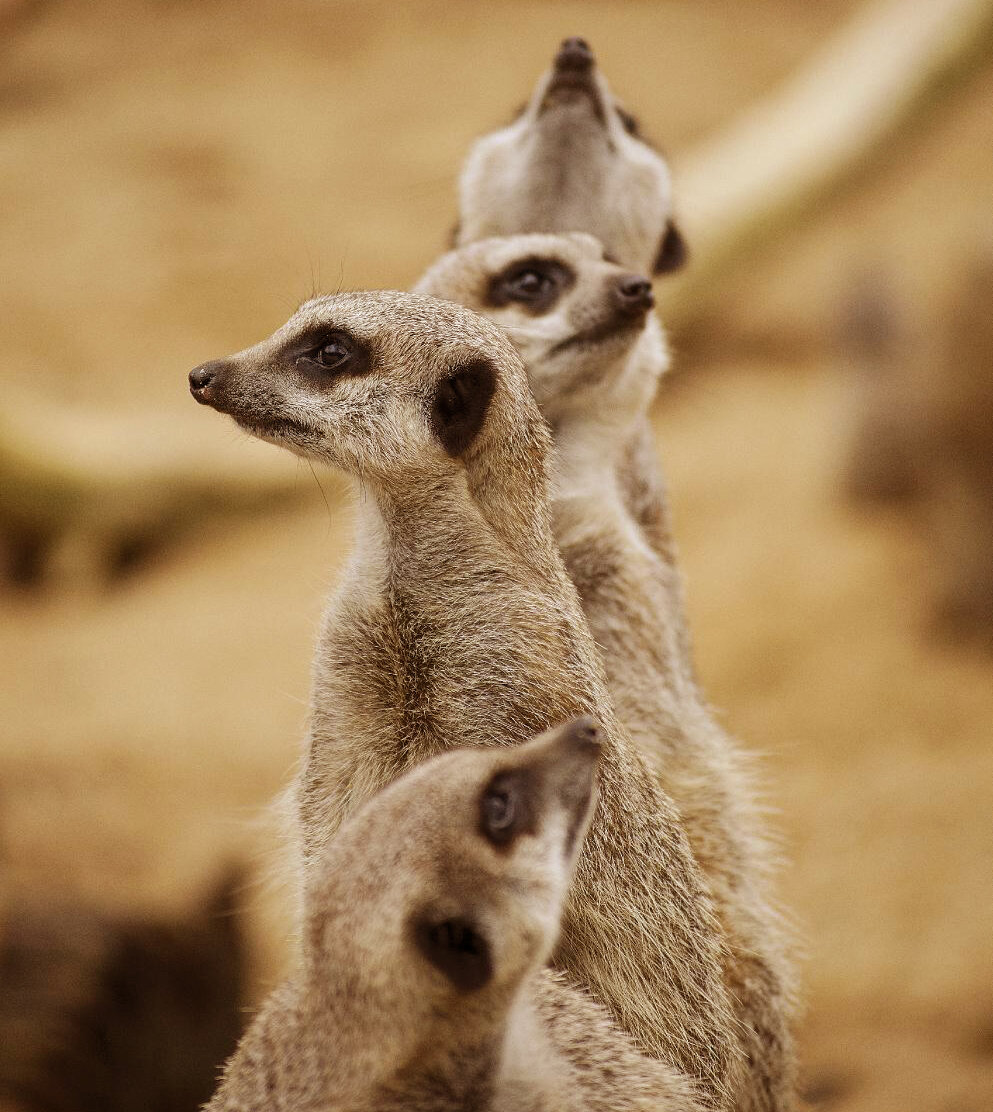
[[574, 54], [202, 378], [633, 294]]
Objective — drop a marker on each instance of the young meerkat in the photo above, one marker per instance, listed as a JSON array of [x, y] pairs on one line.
[[430, 917], [594, 353], [456, 624]]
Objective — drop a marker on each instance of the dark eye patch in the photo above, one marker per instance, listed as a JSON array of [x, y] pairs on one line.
[[535, 283], [507, 807], [323, 354]]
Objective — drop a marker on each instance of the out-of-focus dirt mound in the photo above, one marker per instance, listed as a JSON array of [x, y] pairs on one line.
[[176, 176]]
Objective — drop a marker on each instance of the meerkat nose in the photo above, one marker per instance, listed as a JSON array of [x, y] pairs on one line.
[[582, 734], [574, 54], [200, 379], [633, 294]]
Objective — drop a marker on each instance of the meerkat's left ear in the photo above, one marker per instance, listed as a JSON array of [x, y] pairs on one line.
[[673, 251], [460, 404]]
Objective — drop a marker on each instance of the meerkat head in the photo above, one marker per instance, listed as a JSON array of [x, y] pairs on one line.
[[573, 161], [375, 383], [582, 323], [442, 894]]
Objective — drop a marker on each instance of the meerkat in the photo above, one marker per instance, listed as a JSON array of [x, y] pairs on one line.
[[573, 160], [429, 922], [594, 353], [455, 624]]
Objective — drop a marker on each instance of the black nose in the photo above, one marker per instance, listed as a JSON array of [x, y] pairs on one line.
[[633, 294], [574, 54], [202, 378]]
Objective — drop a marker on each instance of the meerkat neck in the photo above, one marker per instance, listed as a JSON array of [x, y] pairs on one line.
[[458, 514]]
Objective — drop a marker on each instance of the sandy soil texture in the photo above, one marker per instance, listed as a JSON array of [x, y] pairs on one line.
[[175, 176]]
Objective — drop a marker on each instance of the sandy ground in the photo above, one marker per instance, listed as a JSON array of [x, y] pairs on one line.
[[174, 177]]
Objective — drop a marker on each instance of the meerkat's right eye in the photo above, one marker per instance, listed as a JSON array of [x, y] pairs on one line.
[[498, 810], [506, 808], [334, 354], [533, 283]]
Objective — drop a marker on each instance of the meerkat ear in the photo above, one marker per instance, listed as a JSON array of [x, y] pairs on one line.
[[457, 949], [673, 251], [460, 405], [453, 235]]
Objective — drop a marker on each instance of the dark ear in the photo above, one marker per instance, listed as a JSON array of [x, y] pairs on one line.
[[672, 250], [453, 235], [460, 405], [457, 949]]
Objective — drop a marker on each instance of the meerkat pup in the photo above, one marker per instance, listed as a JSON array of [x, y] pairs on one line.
[[455, 624], [573, 161], [594, 353], [430, 917]]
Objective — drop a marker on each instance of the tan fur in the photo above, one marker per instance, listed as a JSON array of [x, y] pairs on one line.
[[594, 394], [374, 1022], [456, 624], [568, 163]]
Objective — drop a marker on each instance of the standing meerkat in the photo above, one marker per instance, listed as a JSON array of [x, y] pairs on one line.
[[574, 160], [429, 921], [594, 354], [456, 624]]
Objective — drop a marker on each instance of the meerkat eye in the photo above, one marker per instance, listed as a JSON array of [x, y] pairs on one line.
[[628, 122], [334, 354], [498, 810], [506, 808], [534, 283], [529, 285]]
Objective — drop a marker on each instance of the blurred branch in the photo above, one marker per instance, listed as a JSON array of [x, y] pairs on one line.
[[86, 495], [756, 182], [83, 495]]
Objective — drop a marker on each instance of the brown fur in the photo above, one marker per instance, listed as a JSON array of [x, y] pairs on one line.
[[377, 1022], [456, 624], [595, 396]]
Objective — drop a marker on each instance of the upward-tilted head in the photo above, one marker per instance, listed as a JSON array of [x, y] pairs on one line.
[[573, 161], [375, 383], [452, 880], [428, 919], [582, 323]]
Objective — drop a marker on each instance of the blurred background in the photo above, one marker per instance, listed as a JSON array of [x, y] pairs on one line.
[[176, 176]]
